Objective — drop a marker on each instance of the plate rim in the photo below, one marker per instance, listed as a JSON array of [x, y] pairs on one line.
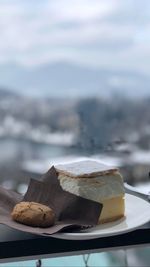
[[85, 236]]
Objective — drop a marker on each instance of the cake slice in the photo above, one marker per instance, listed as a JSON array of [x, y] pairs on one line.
[[95, 181]]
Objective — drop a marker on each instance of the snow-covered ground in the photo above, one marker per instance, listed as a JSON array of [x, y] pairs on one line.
[[11, 127]]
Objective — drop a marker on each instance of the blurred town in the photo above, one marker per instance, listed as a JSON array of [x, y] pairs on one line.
[[37, 132]]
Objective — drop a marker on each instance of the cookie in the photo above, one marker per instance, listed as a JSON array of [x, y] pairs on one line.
[[33, 214]]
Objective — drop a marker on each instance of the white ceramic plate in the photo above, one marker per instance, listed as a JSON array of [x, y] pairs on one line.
[[137, 213]]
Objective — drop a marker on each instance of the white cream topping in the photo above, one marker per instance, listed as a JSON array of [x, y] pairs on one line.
[[84, 168], [96, 189]]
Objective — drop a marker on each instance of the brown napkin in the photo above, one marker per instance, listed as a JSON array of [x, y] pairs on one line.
[[71, 211]]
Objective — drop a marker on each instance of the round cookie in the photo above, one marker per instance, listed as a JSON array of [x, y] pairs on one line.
[[33, 214]]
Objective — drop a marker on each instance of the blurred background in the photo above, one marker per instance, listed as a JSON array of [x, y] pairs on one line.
[[74, 82]]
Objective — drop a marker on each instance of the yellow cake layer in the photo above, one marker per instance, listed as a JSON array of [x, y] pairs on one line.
[[113, 209]]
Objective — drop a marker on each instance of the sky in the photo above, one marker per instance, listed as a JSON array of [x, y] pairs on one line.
[[96, 33]]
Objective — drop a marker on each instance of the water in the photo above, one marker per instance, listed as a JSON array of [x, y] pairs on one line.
[[95, 260], [11, 149]]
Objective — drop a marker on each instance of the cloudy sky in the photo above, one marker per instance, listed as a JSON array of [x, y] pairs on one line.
[[98, 33]]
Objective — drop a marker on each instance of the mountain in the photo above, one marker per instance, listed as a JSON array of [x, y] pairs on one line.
[[63, 79], [8, 94]]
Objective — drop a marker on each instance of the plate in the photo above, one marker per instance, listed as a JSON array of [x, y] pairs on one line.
[[137, 213]]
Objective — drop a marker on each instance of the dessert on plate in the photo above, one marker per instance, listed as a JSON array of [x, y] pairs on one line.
[[95, 181]]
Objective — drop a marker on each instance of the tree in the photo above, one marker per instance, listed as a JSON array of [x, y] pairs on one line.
[[94, 124]]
